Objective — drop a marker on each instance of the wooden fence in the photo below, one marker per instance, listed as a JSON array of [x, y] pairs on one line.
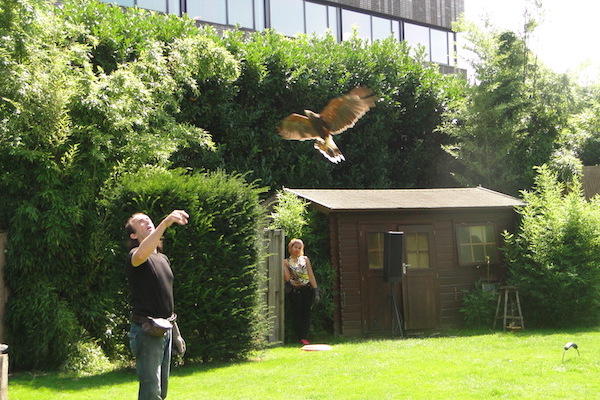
[[274, 241], [3, 298], [3, 290]]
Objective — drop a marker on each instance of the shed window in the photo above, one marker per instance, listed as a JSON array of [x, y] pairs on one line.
[[476, 244], [375, 250], [417, 249]]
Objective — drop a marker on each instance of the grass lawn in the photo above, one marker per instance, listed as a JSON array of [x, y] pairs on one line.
[[524, 365]]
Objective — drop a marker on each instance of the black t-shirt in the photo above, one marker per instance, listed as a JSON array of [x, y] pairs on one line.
[[151, 286]]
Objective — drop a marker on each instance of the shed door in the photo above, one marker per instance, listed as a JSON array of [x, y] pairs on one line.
[[420, 285], [375, 292]]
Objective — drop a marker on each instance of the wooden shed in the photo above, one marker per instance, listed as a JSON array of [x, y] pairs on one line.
[[451, 240]]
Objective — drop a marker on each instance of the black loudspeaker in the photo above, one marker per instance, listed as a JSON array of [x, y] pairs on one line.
[[392, 256]]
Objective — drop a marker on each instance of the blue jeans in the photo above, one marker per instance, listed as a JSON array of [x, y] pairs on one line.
[[152, 362]]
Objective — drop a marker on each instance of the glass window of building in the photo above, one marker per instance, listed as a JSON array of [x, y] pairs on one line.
[[156, 5], [354, 20], [174, 7], [208, 10], [417, 35], [124, 3], [439, 46], [316, 18], [396, 29], [333, 20], [381, 28], [240, 12], [259, 15], [287, 16]]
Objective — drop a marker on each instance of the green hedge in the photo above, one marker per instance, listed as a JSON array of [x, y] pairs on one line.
[[554, 257], [396, 144], [214, 257]]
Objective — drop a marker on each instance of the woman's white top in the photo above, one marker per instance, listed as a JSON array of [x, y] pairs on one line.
[[298, 270]]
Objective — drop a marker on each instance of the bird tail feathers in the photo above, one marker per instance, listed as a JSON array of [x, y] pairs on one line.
[[329, 149]]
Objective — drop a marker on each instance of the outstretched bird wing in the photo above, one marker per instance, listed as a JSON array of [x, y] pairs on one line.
[[342, 112], [297, 127]]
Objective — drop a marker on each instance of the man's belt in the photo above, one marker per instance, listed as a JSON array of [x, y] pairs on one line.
[[139, 319]]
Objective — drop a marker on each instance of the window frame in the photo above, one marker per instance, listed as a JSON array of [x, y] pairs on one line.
[[495, 236], [427, 234]]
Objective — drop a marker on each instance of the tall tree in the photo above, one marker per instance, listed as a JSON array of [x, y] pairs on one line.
[[512, 115]]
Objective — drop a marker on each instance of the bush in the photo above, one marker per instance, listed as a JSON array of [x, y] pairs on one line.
[[86, 358], [479, 307], [554, 258], [214, 257], [70, 121]]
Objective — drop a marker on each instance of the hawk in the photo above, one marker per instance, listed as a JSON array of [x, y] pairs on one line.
[[338, 115]]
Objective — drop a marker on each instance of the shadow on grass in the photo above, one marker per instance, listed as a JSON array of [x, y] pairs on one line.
[[65, 382], [62, 382]]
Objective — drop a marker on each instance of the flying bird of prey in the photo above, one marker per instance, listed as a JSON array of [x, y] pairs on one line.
[[338, 115]]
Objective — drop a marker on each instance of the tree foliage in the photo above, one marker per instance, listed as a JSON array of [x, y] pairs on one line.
[[511, 119], [67, 129], [396, 144], [554, 257]]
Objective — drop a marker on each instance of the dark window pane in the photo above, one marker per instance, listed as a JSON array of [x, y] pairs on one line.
[[333, 23], [382, 28], [439, 46], [452, 51], [478, 253], [423, 260], [492, 252], [287, 16], [476, 234], [240, 12], [360, 21], [463, 234], [412, 260], [316, 18], [489, 233], [207, 10], [375, 250], [259, 14], [464, 254], [417, 35]]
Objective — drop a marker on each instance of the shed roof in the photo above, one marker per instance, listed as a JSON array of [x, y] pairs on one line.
[[395, 199]]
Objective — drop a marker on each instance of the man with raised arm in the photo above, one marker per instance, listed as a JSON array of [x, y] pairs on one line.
[[153, 328]]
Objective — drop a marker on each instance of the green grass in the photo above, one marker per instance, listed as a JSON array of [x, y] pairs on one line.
[[524, 365]]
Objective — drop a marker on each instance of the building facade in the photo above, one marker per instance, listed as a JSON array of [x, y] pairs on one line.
[[425, 23]]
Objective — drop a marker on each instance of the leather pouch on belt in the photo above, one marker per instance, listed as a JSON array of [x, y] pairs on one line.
[[156, 326]]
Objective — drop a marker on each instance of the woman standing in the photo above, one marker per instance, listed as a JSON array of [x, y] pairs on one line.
[[298, 273]]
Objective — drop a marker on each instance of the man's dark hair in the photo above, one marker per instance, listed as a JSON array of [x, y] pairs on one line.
[[132, 243]]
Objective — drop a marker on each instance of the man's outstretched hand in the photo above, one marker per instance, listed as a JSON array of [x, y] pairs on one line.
[[179, 217]]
